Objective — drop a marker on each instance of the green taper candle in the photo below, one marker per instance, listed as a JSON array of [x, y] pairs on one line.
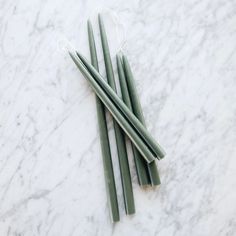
[[118, 114], [120, 137], [104, 140], [137, 109], [140, 164], [148, 147]]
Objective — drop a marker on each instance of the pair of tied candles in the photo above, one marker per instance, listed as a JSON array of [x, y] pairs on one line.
[[128, 119]]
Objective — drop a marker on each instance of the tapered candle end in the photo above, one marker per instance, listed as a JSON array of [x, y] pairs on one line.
[[100, 21], [117, 57], [89, 25], [119, 62], [124, 58], [71, 53], [80, 56], [99, 17]]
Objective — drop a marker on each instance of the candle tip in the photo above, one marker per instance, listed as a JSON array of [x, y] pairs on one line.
[[100, 20], [89, 22]]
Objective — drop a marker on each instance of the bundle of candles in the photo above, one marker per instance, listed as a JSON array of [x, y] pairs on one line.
[[128, 120]]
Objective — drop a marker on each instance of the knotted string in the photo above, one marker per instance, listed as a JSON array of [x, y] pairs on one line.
[[64, 45]]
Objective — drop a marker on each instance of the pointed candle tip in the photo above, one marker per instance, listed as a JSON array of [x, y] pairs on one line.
[[89, 23], [71, 54], [71, 51], [78, 54], [100, 20]]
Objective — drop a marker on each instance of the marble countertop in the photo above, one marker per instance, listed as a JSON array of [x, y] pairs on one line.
[[183, 54]]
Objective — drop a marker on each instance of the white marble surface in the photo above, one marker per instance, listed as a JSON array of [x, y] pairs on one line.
[[51, 175]]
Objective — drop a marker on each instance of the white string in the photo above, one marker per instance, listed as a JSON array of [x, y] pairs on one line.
[[120, 34], [115, 18], [64, 45]]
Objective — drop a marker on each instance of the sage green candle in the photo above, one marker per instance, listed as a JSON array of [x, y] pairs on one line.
[[137, 109], [148, 147], [104, 140], [140, 164], [120, 138]]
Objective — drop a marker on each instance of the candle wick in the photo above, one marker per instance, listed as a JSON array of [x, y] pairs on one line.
[[119, 27], [65, 46]]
